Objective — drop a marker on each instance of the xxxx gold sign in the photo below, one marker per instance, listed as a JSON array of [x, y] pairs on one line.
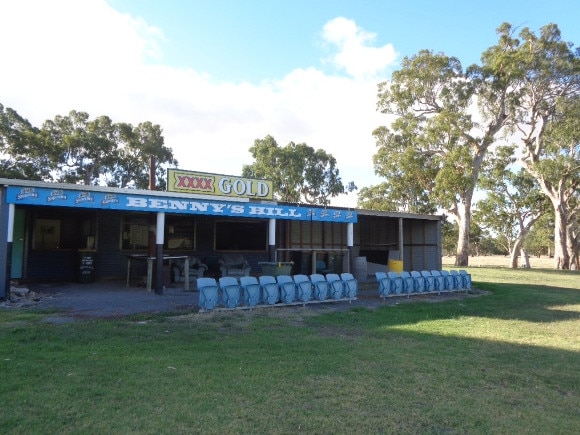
[[219, 185]]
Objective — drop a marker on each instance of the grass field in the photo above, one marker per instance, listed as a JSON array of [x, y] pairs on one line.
[[507, 361], [543, 262]]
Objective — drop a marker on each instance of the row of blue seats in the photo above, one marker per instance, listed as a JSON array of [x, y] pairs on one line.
[[251, 291], [435, 281]]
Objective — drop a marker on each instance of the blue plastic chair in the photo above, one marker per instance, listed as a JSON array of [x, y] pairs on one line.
[[350, 285], [287, 288], [230, 291], [439, 281], [384, 284], [408, 284], [270, 289], [466, 278], [320, 286], [303, 288], [418, 282], [429, 281], [251, 288], [449, 285], [457, 281], [396, 283], [335, 285], [208, 293]]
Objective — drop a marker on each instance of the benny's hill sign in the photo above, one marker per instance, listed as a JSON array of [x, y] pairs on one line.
[[127, 200], [218, 185]]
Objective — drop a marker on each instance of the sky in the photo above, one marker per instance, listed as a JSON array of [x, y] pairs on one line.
[[218, 74]]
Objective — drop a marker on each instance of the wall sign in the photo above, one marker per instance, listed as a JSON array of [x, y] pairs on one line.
[[220, 185], [152, 203]]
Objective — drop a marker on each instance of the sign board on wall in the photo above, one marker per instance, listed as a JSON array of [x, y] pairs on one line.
[[220, 185], [125, 200]]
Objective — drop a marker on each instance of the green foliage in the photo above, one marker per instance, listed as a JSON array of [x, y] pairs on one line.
[[547, 91], [449, 232], [85, 147], [298, 172], [131, 168], [75, 149], [540, 240], [513, 203], [447, 119], [26, 151]]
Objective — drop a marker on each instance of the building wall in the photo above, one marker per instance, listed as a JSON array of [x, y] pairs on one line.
[[297, 241]]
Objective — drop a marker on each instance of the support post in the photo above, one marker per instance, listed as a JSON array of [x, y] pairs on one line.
[[9, 241], [272, 240], [401, 238], [159, 240], [349, 245]]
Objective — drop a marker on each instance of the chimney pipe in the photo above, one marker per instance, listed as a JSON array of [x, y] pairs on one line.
[[152, 163]]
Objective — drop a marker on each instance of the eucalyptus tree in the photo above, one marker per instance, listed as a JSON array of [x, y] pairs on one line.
[[25, 151], [446, 120], [513, 202], [540, 240], [86, 148], [77, 149], [132, 164], [299, 173], [547, 121]]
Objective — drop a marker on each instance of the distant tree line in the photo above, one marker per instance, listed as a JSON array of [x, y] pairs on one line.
[[79, 150]]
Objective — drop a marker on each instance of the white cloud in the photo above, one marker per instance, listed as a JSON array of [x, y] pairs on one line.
[[86, 56], [354, 50]]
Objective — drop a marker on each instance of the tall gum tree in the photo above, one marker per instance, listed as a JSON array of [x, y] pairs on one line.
[[446, 120], [546, 121]]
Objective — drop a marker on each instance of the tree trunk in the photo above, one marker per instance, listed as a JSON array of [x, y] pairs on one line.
[[561, 257], [463, 222], [515, 252], [525, 259], [573, 247]]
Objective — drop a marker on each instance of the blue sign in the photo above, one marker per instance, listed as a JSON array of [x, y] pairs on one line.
[[151, 203]]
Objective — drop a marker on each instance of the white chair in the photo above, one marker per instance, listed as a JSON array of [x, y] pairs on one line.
[[234, 265], [196, 269]]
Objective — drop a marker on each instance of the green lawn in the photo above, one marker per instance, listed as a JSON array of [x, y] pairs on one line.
[[506, 362]]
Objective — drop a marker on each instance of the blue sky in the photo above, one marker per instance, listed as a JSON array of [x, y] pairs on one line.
[[216, 75]]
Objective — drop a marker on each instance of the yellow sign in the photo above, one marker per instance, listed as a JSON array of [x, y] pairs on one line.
[[219, 185]]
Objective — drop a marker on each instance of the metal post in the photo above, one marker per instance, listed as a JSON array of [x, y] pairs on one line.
[[349, 245], [159, 239], [272, 239], [9, 240]]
